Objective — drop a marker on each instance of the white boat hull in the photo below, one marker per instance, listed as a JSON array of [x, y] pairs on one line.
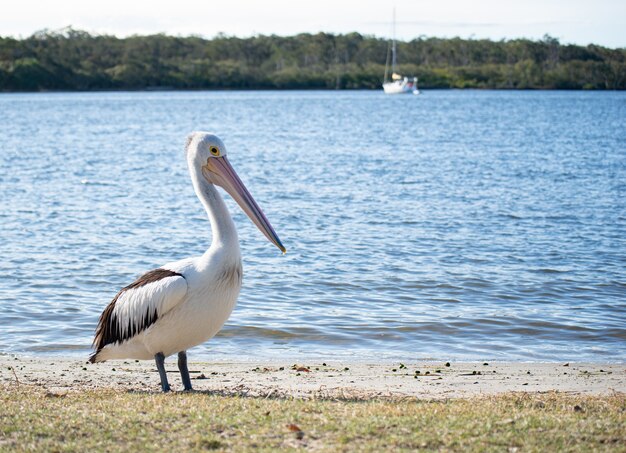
[[400, 87]]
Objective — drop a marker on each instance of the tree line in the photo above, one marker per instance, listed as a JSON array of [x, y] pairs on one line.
[[76, 60]]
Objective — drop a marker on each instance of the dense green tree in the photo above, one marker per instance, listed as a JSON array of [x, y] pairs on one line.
[[76, 60]]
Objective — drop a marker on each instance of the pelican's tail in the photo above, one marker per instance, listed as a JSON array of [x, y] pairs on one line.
[[94, 358]]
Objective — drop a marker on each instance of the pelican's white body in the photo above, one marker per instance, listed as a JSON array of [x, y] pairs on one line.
[[192, 308], [213, 283]]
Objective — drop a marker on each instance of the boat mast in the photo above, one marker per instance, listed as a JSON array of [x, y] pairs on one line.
[[393, 47], [387, 62]]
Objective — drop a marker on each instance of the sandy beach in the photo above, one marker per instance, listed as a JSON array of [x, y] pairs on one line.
[[423, 380]]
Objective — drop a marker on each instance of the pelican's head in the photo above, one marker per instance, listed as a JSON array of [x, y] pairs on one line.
[[207, 151]]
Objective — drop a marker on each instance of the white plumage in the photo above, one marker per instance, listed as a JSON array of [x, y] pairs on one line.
[[185, 303]]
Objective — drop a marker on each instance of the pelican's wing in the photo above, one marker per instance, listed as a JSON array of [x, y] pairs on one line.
[[137, 306]]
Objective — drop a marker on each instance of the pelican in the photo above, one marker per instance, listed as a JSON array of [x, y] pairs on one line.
[[185, 303]]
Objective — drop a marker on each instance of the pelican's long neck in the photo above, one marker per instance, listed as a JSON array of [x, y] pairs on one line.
[[222, 225]]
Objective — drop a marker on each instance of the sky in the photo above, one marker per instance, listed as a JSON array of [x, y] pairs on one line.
[[571, 21]]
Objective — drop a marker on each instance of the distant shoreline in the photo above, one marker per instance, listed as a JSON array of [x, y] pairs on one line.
[[312, 90], [77, 60]]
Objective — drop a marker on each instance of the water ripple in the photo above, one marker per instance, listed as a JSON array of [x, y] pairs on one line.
[[488, 225]]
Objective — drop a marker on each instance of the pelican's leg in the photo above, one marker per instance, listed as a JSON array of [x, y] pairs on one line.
[[159, 358], [184, 371]]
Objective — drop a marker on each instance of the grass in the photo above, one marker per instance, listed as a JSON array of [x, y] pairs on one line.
[[33, 419]]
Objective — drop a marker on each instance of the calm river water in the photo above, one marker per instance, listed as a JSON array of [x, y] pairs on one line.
[[456, 225]]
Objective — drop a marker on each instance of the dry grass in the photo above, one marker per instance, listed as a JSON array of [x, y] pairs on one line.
[[33, 419]]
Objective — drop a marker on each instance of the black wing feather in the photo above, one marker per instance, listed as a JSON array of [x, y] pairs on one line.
[[108, 330]]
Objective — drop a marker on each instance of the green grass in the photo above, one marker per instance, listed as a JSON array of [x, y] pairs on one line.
[[33, 419]]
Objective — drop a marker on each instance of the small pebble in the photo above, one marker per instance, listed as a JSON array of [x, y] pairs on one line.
[[447, 363]]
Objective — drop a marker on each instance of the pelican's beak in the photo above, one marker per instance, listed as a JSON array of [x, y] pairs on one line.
[[223, 174]]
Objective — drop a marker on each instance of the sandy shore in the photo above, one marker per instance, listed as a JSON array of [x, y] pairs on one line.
[[435, 380]]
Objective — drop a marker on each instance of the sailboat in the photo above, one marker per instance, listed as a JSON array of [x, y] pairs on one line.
[[398, 83]]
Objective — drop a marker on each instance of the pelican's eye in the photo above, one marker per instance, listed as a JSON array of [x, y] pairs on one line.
[[215, 151]]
